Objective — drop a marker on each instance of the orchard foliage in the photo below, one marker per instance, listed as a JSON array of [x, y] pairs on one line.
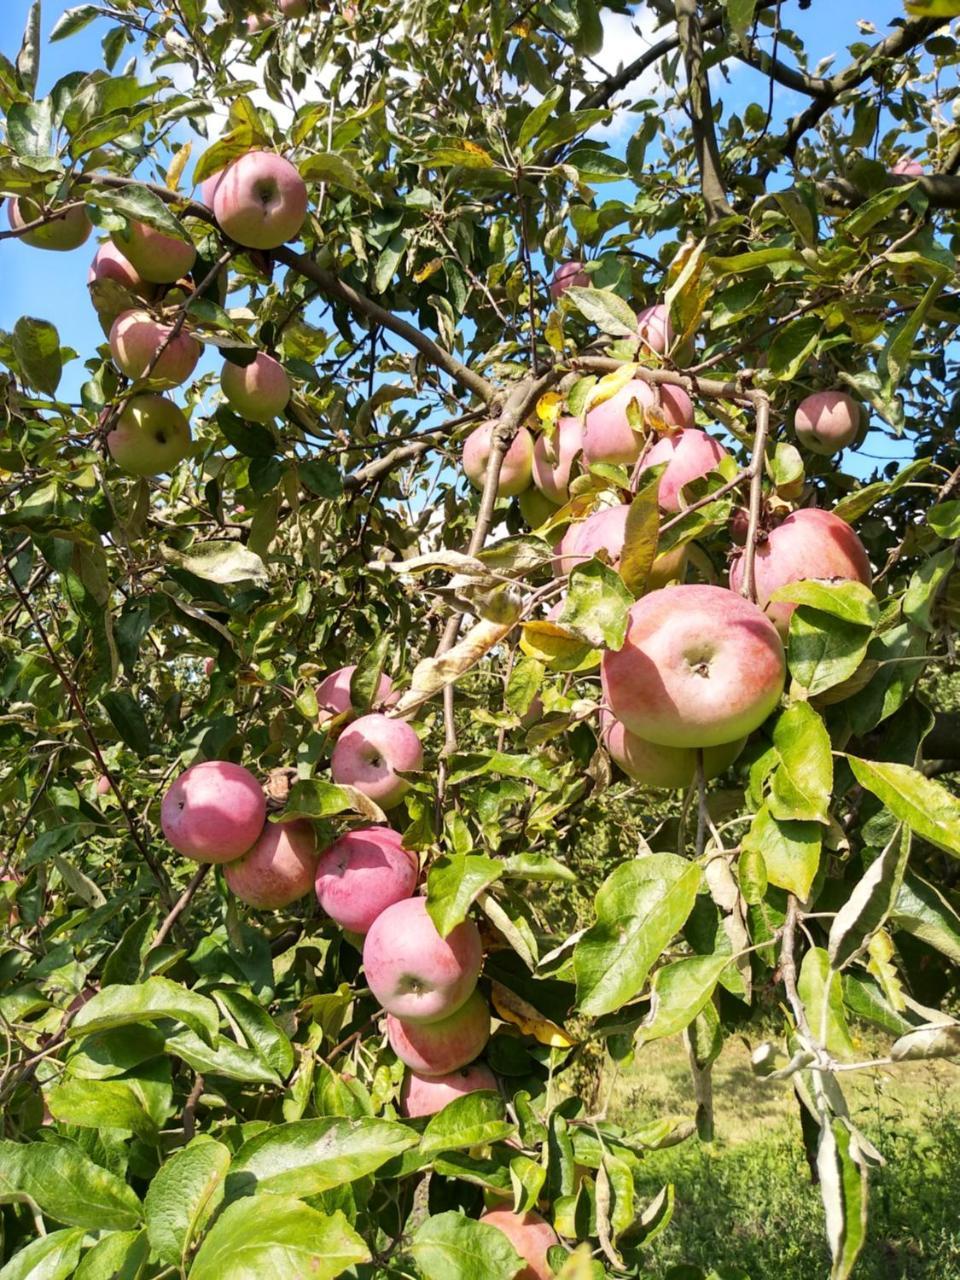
[[192, 1087]]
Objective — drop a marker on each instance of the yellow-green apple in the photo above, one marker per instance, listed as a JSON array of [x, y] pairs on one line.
[[150, 436], [156, 257], [700, 666], [908, 167], [554, 458], [517, 468], [135, 339], [609, 437], [566, 274], [827, 422], [437, 1048], [663, 768], [333, 691], [415, 973], [810, 543], [530, 1235], [371, 754], [214, 811], [261, 201], [689, 454], [654, 329], [259, 391], [362, 873], [606, 530], [426, 1095], [536, 509], [66, 231], [278, 869]]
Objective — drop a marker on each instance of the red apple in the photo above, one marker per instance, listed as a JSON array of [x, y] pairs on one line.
[[810, 543], [827, 422], [688, 454], [566, 274], [372, 752], [214, 811], [516, 471], [553, 459], [700, 667], [530, 1235], [608, 436], [659, 767], [438, 1048], [426, 1095], [151, 435], [65, 232], [261, 201], [278, 869], [135, 338], [362, 873], [606, 530], [110, 264], [654, 329], [259, 391], [333, 691], [156, 257], [414, 973]]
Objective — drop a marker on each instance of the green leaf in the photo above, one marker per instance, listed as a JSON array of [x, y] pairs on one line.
[[894, 360], [528, 767], [120, 1006], [751, 261], [843, 1188], [926, 806], [67, 1186], [454, 883], [277, 1236], [870, 903], [944, 519], [182, 1197], [138, 204], [792, 345], [449, 1246], [536, 866], [28, 59], [128, 719], [866, 216], [640, 907], [72, 20], [261, 1033], [219, 561], [740, 15], [100, 1104], [252, 439], [790, 851], [933, 8], [52, 1257], [472, 1120], [804, 779], [823, 650], [315, 798], [36, 345], [365, 680], [641, 535], [597, 605], [924, 587], [850, 602], [327, 167], [820, 989], [523, 685], [227, 1059], [538, 117], [605, 309], [119, 1256], [924, 912], [678, 993], [942, 1040]]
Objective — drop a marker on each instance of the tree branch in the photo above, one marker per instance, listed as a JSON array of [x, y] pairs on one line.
[[178, 908], [690, 34]]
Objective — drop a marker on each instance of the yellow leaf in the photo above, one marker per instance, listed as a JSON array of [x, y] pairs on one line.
[[511, 1008], [430, 269], [609, 385], [548, 406], [433, 674], [177, 166], [476, 150]]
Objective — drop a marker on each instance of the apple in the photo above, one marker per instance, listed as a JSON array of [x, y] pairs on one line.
[[259, 391], [150, 436], [517, 468], [293, 8], [908, 167], [333, 691], [700, 666], [606, 530], [362, 873], [659, 767], [608, 436], [553, 459], [372, 752], [135, 339], [654, 329], [104, 786], [530, 1235], [208, 188], [536, 510], [209, 666], [810, 543], [110, 264], [688, 454], [827, 421], [257, 22], [414, 973], [67, 231], [278, 869], [156, 257], [426, 1095], [566, 274], [261, 201], [438, 1048], [740, 526], [214, 811]]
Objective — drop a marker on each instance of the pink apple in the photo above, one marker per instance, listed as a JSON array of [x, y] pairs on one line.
[[150, 436], [214, 811], [370, 755], [110, 264], [567, 274], [278, 869], [156, 257], [426, 1095], [257, 22], [659, 767], [517, 468], [135, 339], [333, 691], [608, 436], [209, 666], [438, 1048], [362, 873], [654, 329], [689, 455], [810, 543], [908, 167], [293, 8], [208, 188], [531, 1236], [261, 201], [700, 666], [827, 422], [65, 232], [606, 530], [103, 785], [414, 973], [259, 391], [553, 459]]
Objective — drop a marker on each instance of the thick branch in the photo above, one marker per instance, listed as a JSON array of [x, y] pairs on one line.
[[707, 151], [941, 190]]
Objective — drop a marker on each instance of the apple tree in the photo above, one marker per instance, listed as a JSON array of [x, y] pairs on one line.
[[455, 629]]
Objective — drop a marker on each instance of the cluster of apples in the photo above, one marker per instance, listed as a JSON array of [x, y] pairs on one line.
[[261, 18]]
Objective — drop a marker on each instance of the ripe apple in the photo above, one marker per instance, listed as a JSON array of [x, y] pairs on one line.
[[566, 274], [209, 666], [608, 436], [414, 973], [606, 530], [261, 201], [659, 767], [214, 811], [530, 1235], [259, 391], [426, 1095], [810, 543], [654, 329], [827, 422], [362, 873], [257, 22], [156, 257], [908, 167], [553, 459], [333, 691], [135, 338], [700, 666], [103, 785], [68, 231], [278, 869], [438, 1048], [208, 188], [110, 264], [293, 8], [372, 752], [517, 468], [150, 436], [688, 454], [536, 509]]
